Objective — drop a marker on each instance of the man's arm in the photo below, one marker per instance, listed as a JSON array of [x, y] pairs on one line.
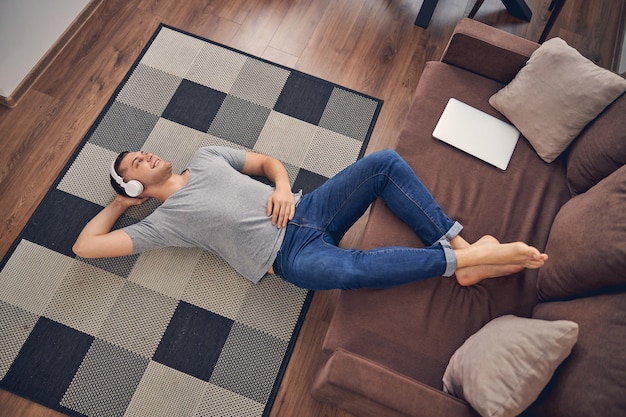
[[281, 204], [96, 240]]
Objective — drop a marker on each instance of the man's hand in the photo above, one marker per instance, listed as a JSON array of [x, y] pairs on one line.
[[281, 206]]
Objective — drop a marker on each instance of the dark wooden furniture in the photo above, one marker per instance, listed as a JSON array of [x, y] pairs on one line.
[[517, 8], [425, 13], [555, 8], [523, 12]]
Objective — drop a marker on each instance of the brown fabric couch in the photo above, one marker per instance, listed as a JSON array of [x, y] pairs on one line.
[[386, 351]]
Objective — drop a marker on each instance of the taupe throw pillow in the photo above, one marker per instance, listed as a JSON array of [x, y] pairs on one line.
[[555, 95], [502, 369]]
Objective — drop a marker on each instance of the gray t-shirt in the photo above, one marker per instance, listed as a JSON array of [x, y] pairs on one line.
[[220, 210]]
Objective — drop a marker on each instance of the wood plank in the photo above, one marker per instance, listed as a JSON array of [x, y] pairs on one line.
[[234, 10], [198, 18], [332, 40], [83, 97], [14, 406], [257, 30], [300, 22], [279, 57]]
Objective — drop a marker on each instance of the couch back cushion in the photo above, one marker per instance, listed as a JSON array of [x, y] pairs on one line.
[[592, 381], [587, 243], [600, 149]]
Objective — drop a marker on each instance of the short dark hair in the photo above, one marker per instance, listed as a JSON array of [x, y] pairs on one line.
[[116, 166]]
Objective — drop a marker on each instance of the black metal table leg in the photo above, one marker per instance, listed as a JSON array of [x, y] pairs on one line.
[[518, 8], [555, 8], [425, 13]]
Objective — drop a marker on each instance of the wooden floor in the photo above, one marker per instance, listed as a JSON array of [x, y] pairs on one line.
[[368, 45]]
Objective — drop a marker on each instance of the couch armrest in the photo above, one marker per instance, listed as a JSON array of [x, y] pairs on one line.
[[487, 51], [366, 388]]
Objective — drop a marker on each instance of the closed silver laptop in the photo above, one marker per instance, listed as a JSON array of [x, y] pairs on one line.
[[477, 133]]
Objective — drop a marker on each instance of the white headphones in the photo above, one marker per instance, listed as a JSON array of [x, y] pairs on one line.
[[132, 188]]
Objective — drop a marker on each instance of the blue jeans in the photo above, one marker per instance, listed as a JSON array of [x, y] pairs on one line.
[[310, 257]]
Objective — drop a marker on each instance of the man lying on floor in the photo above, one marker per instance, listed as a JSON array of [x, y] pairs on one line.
[[214, 204]]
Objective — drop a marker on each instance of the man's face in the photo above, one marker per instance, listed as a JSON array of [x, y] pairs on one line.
[[148, 168]]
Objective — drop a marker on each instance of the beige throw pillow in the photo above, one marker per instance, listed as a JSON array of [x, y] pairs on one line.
[[555, 95], [502, 369]]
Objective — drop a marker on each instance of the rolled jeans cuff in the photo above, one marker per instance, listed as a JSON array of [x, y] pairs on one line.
[[448, 252], [454, 231]]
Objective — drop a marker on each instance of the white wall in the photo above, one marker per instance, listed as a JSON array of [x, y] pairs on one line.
[[28, 28]]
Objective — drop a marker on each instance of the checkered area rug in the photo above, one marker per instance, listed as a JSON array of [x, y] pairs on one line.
[[172, 332]]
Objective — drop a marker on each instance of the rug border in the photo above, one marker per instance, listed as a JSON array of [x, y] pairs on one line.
[[309, 297], [287, 357]]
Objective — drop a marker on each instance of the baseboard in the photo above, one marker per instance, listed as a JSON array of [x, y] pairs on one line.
[[14, 97]]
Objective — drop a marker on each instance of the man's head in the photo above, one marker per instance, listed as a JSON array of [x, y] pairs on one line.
[[117, 181], [133, 172]]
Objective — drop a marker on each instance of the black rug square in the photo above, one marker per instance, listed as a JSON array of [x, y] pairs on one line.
[[193, 341], [194, 105], [45, 366], [307, 180], [54, 226], [304, 98]]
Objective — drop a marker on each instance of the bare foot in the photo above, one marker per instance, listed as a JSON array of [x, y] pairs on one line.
[[488, 258], [488, 251], [474, 274]]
